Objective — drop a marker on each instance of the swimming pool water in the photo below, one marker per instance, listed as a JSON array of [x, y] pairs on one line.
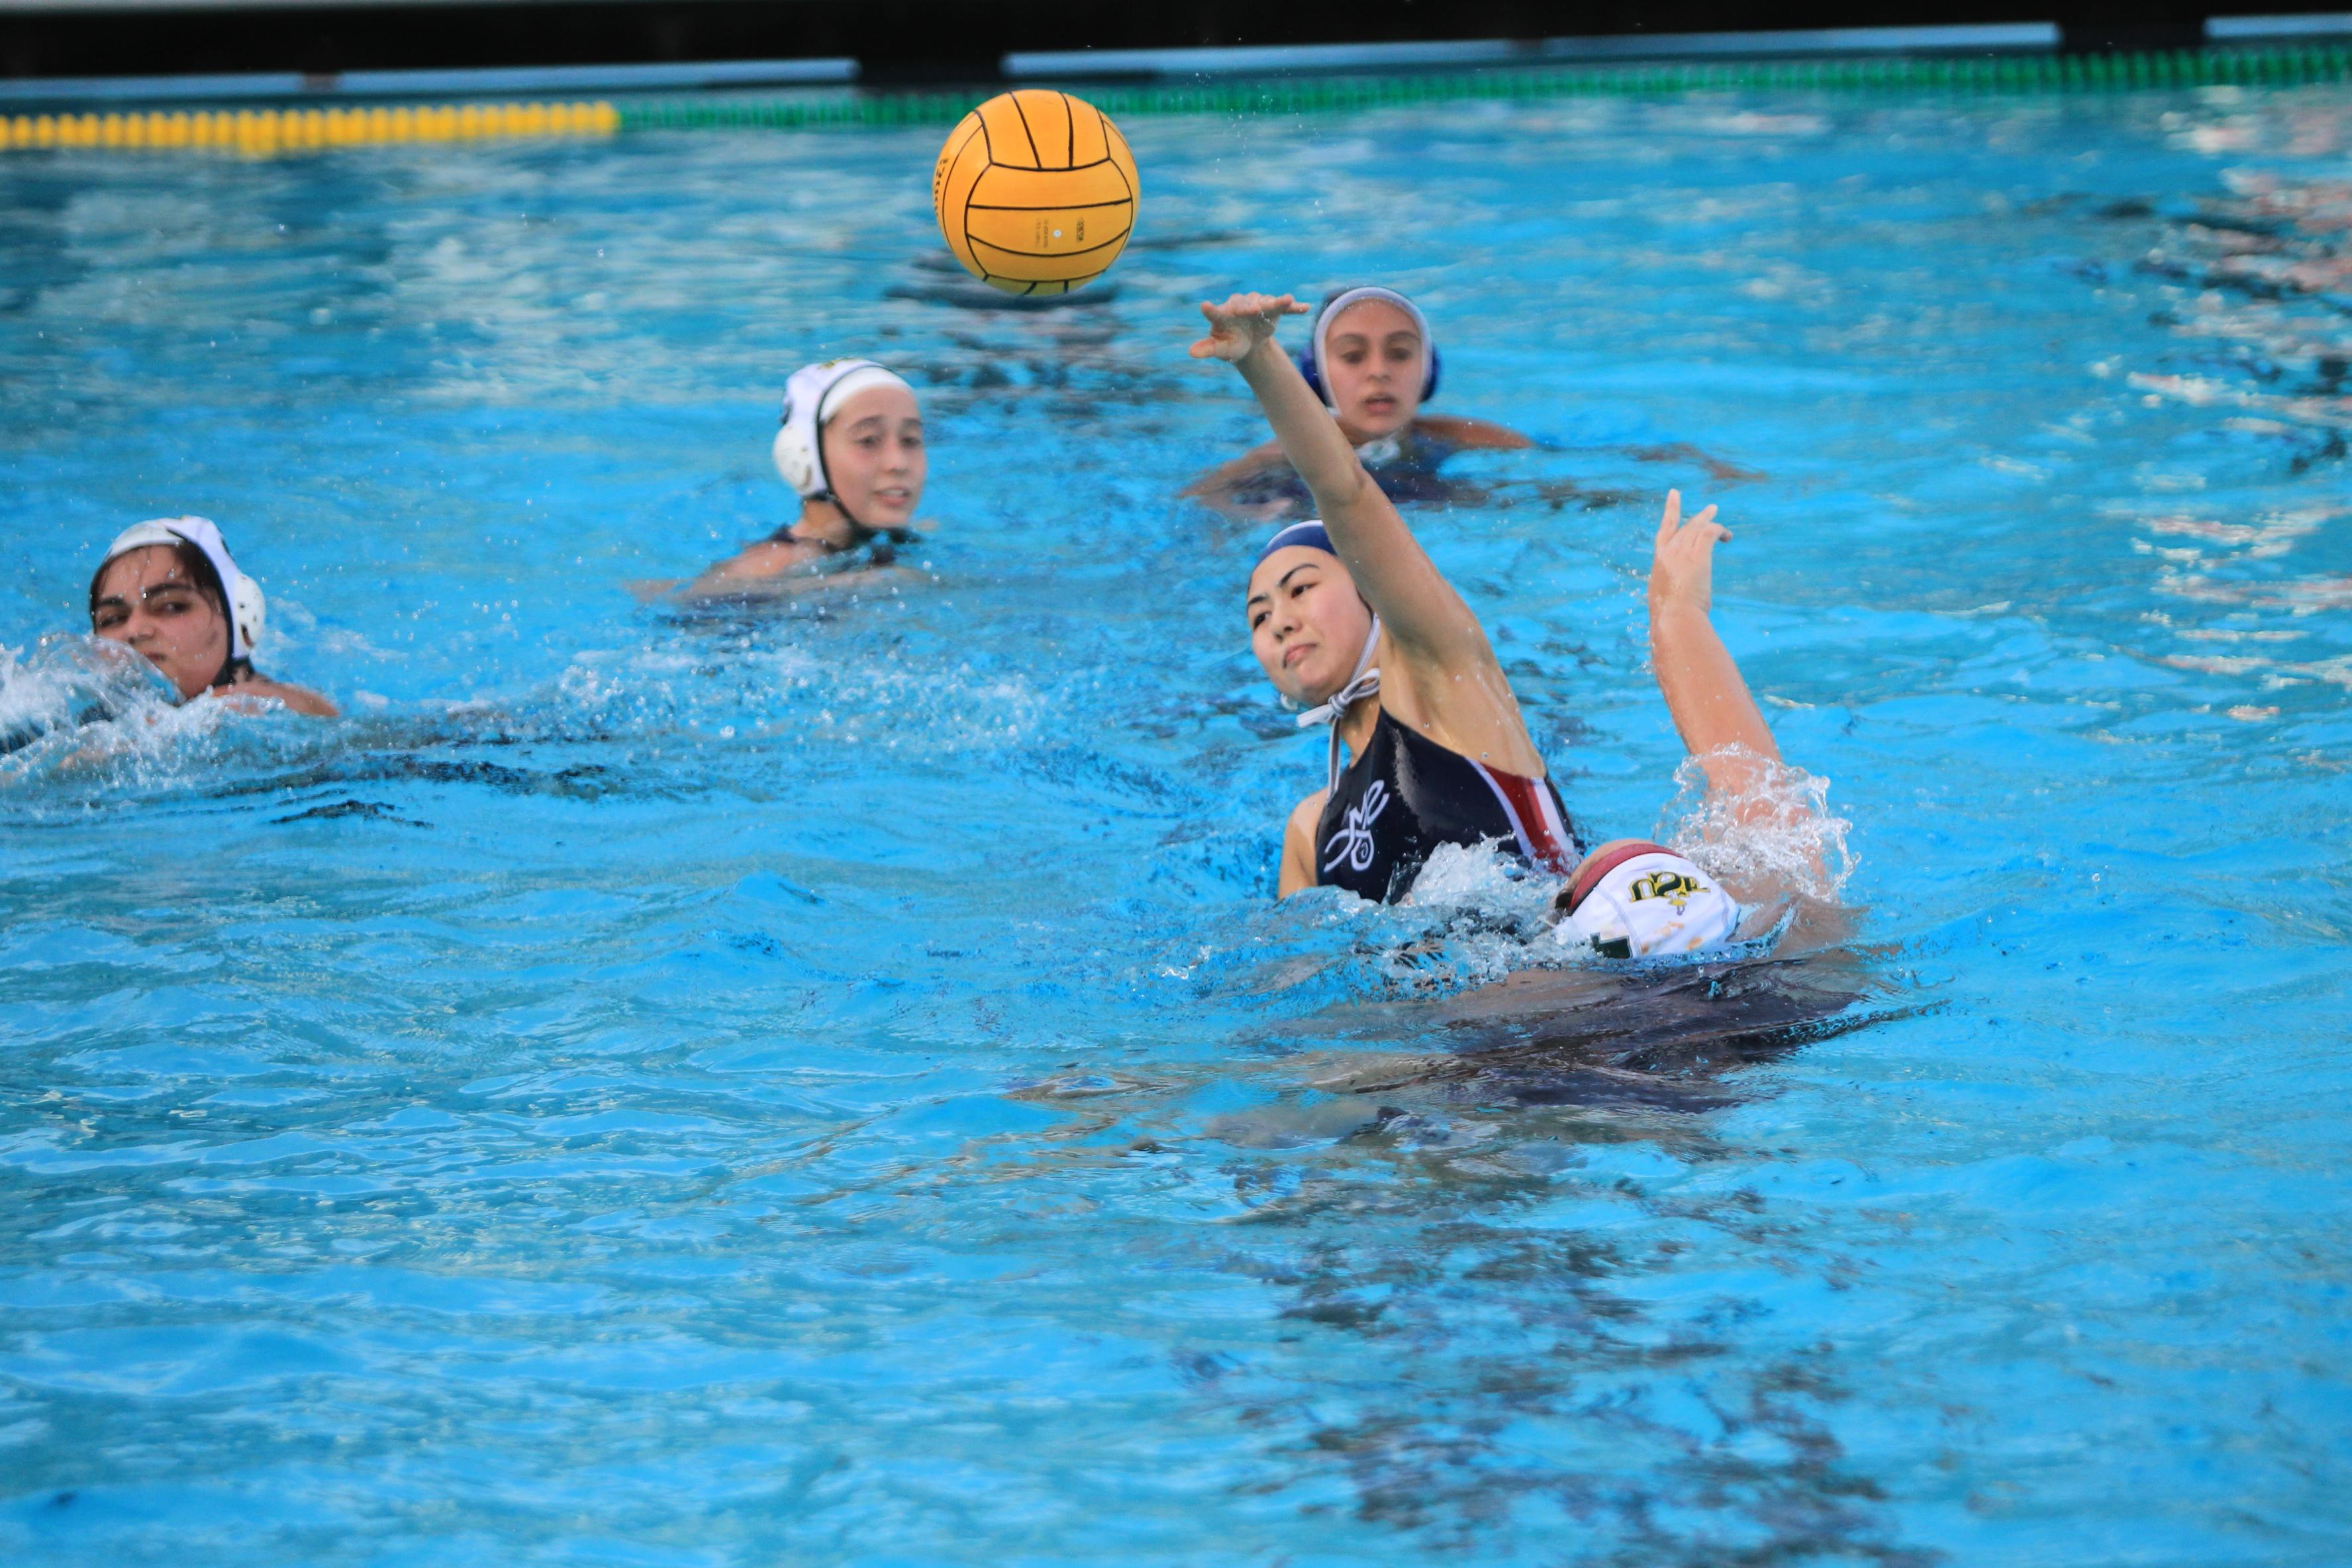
[[835, 1088]]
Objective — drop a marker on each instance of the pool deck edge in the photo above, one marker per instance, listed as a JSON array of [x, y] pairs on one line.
[[1140, 67]]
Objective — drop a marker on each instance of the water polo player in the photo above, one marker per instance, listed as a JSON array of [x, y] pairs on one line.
[[1634, 898], [1371, 358], [851, 444], [1351, 619], [169, 589]]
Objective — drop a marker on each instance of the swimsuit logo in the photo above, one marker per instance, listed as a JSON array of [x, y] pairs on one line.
[[1672, 885], [1353, 842]]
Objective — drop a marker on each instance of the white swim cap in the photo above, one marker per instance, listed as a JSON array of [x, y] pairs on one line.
[[813, 394], [247, 610], [1316, 356], [1636, 899]]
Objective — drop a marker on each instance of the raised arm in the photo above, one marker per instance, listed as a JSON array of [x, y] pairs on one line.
[[1718, 719], [1419, 608], [1801, 850]]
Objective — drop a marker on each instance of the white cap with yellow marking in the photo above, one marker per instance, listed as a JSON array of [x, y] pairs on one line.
[[1637, 899]]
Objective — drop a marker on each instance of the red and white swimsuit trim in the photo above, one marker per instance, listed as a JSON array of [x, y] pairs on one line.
[[1544, 838]]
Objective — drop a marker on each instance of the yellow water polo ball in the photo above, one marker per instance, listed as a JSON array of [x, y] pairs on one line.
[[1035, 192]]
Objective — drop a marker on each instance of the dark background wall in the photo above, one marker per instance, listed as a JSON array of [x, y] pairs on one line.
[[908, 41]]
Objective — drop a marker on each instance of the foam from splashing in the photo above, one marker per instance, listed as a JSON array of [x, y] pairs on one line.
[[74, 694], [1476, 914]]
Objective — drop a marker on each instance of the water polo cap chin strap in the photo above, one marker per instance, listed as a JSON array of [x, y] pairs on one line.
[[1310, 358], [800, 440], [1365, 682]]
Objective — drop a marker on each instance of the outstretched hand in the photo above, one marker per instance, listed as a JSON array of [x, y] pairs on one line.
[[1242, 322], [1682, 571]]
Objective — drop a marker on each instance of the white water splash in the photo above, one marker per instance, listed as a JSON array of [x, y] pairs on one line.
[[83, 698], [1462, 877], [1772, 837], [1476, 914]]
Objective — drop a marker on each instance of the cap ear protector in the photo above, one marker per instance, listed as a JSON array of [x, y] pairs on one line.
[[247, 609], [1310, 358], [813, 394]]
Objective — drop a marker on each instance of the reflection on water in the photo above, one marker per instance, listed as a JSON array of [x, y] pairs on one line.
[[2261, 269], [827, 1082], [1600, 1364]]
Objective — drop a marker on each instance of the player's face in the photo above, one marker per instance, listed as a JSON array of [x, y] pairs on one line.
[[874, 455], [1373, 362], [1307, 622], [146, 599]]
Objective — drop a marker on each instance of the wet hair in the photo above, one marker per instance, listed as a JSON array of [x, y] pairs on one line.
[[198, 568]]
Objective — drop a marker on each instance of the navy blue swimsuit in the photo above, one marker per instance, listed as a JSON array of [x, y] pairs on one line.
[[1405, 466], [1407, 794], [879, 547]]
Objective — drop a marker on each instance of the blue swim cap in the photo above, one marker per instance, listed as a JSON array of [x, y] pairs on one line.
[[1309, 534], [1366, 679]]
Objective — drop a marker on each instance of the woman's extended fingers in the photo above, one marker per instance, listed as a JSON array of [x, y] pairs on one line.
[[1267, 307], [1241, 321], [1205, 348], [1682, 569], [1222, 331], [1711, 533], [1671, 527]]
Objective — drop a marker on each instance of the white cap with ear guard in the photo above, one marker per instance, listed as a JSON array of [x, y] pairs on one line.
[[247, 610], [813, 394], [1643, 900], [1315, 359]]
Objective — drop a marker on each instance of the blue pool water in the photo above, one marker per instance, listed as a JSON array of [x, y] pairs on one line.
[[834, 1087]]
